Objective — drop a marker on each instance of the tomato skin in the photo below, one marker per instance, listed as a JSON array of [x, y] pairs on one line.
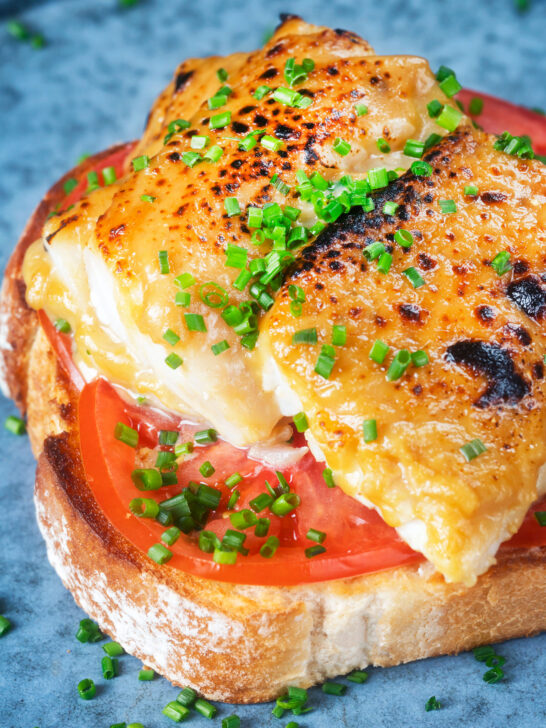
[[498, 116], [62, 346]]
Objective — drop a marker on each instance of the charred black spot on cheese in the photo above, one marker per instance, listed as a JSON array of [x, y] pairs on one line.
[[412, 313], [521, 267], [485, 314], [239, 128], [310, 155], [521, 334], [260, 120], [246, 110], [332, 71], [538, 370], [275, 50], [182, 80], [425, 261], [64, 223], [237, 163], [490, 198], [116, 231], [529, 296], [282, 131], [504, 383], [270, 73]]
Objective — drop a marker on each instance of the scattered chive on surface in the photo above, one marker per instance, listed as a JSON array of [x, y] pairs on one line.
[[87, 689], [447, 207], [334, 688], [146, 674], [471, 190], [501, 263], [15, 425], [472, 449], [432, 704], [369, 430], [540, 517], [5, 625]]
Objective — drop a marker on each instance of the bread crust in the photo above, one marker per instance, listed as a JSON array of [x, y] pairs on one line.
[[233, 642]]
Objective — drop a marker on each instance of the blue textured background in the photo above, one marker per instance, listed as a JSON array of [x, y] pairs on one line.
[[92, 86]]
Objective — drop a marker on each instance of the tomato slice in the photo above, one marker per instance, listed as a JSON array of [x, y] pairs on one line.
[[62, 346], [358, 540], [498, 116]]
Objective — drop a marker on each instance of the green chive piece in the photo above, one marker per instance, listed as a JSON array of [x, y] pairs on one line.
[[269, 547], [369, 430], [419, 358], [173, 360], [450, 86], [186, 697], [147, 198], [126, 434], [205, 708], [175, 712], [195, 322], [493, 676], [357, 676], [361, 109], [164, 266], [261, 92], [144, 507], [88, 631], [146, 478], [243, 519], [379, 351], [472, 449], [300, 422], [5, 625], [342, 147], [483, 652], [471, 190], [390, 208], [109, 175], [378, 178], [384, 263], [159, 553], [404, 238], [233, 480], [434, 108], [87, 689], [540, 517], [190, 159], [325, 362], [317, 536], [207, 469], [414, 148], [313, 551], [171, 535], [305, 336], [231, 721], [109, 667], [373, 250], [171, 337], [113, 649], [449, 118], [475, 107], [70, 185], [140, 163], [231, 205], [17, 30], [421, 168], [269, 142], [220, 347], [213, 154], [414, 277], [401, 361], [334, 688], [219, 121], [448, 207], [501, 263], [432, 704], [222, 555], [146, 674], [383, 145], [205, 437], [15, 425]]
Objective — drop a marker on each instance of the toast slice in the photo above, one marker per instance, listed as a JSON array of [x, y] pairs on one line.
[[233, 642]]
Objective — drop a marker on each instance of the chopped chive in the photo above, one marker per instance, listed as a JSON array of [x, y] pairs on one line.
[[369, 430], [207, 469], [432, 704], [419, 358], [475, 107], [190, 159], [146, 674], [379, 351], [414, 148], [383, 145], [183, 449], [501, 263], [374, 250], [88, 631], [305, 336], [146, 478], [175, 712], [434, 108], [317, 536], [401, 361], [236, 256], [213, 154], [173, 360], [334, 688], [404, 238], [220, 347], [261, 92], [186, 697], [448, 207], [171, 535], [325, 362], [17, 30], [300, 422], [285, 503], [195, 322], [231, 721], [328, 477], [92, 181], [15, 425], [126, 434], [182, 298], [205, 708], [147, 198], [159, 553], [493, 676], [341, 146], [262, 527], [231, 205], [184, 280], [361, 109], [205, 437], [234, 497], [378, 178], [431, 140], [269, 142], [233, 480], [540, 517], [254, 217], [113, 649], [144, 507], [449, 118], [269, 547], [471, 190], [357, 676], [414, 277], [472, 449], [421, 168], [261, 502], [171, 337], [384, 263], [109, 667], [219, 121], [140, 163], [450, 86], [70, 185], [199, 141], [390, 208], [223, 556], [87, 689], [164, 266]]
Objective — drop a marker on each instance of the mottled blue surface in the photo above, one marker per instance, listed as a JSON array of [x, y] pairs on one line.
[[90, 87]]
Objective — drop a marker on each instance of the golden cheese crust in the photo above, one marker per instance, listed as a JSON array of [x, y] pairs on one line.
[[235, 643]]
